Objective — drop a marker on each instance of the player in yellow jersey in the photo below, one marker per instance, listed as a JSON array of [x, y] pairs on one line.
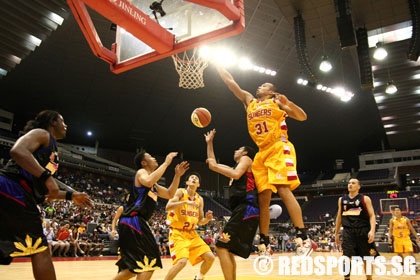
[[185, 212], [400, 228], [274, 165]]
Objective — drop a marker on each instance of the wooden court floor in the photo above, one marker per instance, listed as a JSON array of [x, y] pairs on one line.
[[105, 268]]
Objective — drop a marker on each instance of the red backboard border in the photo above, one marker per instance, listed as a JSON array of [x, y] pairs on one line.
[[140, 25]]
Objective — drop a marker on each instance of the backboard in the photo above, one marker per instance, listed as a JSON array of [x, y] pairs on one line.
[[387, 205], [149, 30]]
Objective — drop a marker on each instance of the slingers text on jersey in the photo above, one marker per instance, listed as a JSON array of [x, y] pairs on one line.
[[259, 113], [189, 213]]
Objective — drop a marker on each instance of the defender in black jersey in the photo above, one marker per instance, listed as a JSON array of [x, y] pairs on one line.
[[27, 180], [240, 230], [356, 215], [139, 253]]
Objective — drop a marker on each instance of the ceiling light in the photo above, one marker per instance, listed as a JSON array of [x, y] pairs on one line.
[[226, 57], [379, 99], [223, 56], [205, 52], [34, 40], [377, 83], [301, 81], [346, 97], [391, 88], [56, 18], [391, 132], [390, 125], [245, 63], [270, 72], [325, 65], [388, 118], [380, 52], [340, 92]]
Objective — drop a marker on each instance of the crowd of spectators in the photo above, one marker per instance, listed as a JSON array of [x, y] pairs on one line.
[[65, 226]]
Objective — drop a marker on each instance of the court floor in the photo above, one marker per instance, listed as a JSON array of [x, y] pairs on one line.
[[104, 268]]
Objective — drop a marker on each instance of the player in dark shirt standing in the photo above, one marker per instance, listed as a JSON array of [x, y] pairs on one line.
[[356, 215]]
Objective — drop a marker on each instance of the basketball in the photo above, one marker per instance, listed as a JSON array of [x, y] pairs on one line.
[[275, 211], [201, 117]]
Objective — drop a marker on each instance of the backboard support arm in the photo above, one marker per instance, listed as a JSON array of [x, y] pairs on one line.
[[140, 25], [84, 20]]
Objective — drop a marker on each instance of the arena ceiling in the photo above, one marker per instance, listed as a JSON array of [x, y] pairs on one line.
[[145, 107]]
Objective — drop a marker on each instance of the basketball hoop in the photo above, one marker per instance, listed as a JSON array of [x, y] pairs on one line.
[[190, 69]]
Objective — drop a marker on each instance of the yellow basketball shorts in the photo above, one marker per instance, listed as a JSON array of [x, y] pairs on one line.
[[403, 245], [186, 244], [276, 165]]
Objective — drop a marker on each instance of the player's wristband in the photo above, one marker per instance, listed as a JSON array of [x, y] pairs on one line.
[[69, 195], [45, 175]]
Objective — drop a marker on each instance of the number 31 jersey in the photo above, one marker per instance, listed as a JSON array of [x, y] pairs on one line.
[[266, 122]]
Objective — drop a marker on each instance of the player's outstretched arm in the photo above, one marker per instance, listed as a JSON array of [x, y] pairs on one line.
[[234, 173], [143, 177], [225, 170], [176, 201], [80, 198], [244, 96], [169, 192], [209, 137], [293, 110]]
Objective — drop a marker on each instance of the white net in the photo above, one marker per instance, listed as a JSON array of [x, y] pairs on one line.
[[388, 204], [190, 68]]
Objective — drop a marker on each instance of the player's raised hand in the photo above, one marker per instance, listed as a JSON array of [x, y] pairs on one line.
[[209, 136], [182, 167], [170, 157], [282, 101]]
